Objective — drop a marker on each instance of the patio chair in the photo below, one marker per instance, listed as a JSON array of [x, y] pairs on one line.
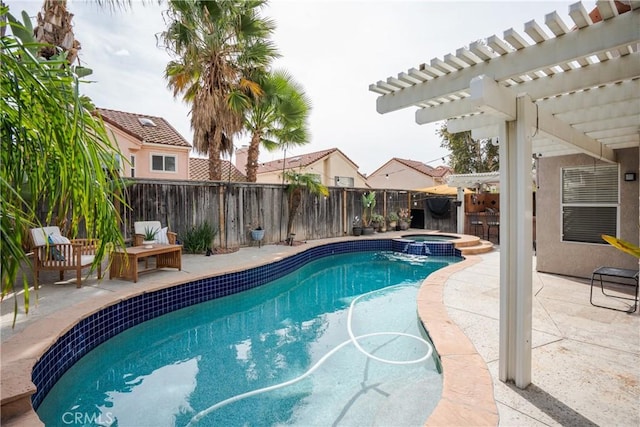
[[52, 251], [475, 222], [625, 275], [493, 221], [163, 235]]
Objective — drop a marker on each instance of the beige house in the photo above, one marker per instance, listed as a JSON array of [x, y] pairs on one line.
[[151, 147], [332, 167], [199, 170], [403, 174]]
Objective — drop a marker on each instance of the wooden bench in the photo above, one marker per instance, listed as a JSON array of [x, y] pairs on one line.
[[621, 273], [125, 264]]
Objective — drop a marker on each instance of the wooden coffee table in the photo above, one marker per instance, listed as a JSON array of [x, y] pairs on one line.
[[125, 264]]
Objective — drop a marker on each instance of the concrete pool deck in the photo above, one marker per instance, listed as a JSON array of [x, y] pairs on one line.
[[586, 360]]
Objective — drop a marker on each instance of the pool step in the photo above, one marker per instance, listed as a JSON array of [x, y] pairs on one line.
[[481, 247]]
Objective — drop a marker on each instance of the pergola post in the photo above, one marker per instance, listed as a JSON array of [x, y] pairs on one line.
[[516, 216], [461, 216]]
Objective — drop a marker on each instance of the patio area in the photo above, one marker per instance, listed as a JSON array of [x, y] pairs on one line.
[[585, 359]]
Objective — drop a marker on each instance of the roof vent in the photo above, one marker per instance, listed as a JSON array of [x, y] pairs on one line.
[[145, 121]]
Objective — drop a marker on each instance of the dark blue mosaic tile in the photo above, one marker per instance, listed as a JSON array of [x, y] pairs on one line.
[[97, 328]]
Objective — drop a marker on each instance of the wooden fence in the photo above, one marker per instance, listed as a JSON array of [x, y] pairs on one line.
[[235, 208]]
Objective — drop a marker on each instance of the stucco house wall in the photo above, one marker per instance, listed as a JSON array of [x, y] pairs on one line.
[[400, 178], [129, 146], [143, 142], [405, 174], [333, 165], [580, 259]]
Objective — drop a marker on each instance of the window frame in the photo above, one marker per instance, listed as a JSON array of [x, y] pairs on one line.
[[593, 204], [164, 163], [338, 181], [132, 165]]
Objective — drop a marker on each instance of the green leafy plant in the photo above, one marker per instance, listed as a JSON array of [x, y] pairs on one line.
[[198, 239], [376, 217], [54, 154], [368, 204], [297, 183], [150, 233]]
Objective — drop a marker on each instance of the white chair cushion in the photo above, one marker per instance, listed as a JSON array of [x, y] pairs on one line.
[[140, 226], [161, 236], [40, 235]]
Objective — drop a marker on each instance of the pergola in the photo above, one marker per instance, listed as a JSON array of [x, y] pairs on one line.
[[564, 89]]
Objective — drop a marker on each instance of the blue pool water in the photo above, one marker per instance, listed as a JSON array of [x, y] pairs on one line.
[[165, 371]]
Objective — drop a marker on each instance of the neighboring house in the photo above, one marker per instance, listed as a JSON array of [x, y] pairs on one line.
[[332, 167], [403, 174], [151, 146], [199, 170]]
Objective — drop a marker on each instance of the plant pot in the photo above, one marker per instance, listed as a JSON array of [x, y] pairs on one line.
[[148, 244], [257, 235], [404, 225], [357, 231], [366, 231]]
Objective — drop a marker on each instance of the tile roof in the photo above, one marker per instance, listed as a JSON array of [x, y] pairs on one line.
[[302, 160], [423, 168], [161, 133], [199, 170]]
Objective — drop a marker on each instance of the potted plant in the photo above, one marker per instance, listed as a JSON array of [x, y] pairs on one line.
[[149, 236], [257, 233], [403, 219], [393, 220], [368, 204], [377, 221], [356, 226]]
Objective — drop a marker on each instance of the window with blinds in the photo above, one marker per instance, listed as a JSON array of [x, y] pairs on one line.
[[590, 203]]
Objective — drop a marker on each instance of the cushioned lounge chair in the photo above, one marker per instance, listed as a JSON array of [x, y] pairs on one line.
[[53, 251]]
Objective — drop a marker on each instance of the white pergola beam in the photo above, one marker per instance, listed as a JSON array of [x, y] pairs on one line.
[[615, 70], [487, 96], [491, 98], [477, 121], [579, 15], [564, 133], [625, 91], [567, 48]]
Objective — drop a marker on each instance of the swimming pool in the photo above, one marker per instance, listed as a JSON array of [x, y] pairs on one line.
[[174, 368]]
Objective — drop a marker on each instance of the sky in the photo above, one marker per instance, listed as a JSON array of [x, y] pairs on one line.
[[334, 49]]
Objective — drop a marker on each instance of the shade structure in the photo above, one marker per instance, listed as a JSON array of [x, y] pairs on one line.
[[442, 190]]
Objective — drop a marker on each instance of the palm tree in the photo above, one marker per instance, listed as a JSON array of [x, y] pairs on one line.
[[297, 182], [54, 154], [218, 44], [276, 119], [54, 31]]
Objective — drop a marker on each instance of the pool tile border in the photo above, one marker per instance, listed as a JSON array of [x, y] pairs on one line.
[[53, 349]]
